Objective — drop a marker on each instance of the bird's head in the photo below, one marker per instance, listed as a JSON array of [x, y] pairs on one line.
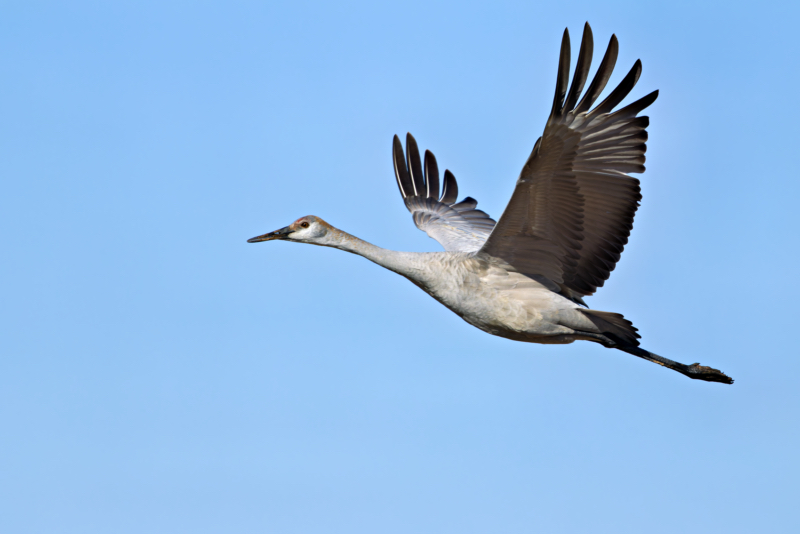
[[308, 229]]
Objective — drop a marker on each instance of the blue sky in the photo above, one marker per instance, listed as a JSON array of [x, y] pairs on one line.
[[159, 374]]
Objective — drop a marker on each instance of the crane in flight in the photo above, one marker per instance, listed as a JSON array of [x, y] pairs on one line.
[[524, 277]]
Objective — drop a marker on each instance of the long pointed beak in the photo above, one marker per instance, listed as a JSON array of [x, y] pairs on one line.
[[277, 234]]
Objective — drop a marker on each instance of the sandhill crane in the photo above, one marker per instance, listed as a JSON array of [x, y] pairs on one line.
[[562, 233]]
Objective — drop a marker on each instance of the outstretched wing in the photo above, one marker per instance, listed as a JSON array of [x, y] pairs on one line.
[[457, 226], [572, 209]]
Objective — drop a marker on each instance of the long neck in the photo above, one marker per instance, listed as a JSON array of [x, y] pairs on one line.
[[408, 264]]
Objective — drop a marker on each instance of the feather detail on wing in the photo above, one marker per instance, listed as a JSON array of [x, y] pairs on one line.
[[572, 209], [457, 226]]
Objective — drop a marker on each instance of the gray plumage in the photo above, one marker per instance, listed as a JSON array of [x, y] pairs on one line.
[[562, 233]]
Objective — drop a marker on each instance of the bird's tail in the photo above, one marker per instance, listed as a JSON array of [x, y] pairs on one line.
[[614, 326]]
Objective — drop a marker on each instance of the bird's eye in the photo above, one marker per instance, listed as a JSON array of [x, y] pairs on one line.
[[304, 224]]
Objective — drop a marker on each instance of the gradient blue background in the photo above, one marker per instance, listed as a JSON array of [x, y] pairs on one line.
[[160, 375]]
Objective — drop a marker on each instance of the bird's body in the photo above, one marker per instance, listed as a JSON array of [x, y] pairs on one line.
[[525, 276], [480, 289], [489, 297]]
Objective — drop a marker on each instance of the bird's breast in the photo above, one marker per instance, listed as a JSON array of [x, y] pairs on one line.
[[490, 298]]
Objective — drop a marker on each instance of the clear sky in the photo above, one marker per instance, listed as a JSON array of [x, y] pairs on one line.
[[158, 374]]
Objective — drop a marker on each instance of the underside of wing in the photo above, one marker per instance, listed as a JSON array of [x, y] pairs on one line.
[[572, 209], [457, 226]]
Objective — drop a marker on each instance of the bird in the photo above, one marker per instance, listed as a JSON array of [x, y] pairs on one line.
[[524, 277]]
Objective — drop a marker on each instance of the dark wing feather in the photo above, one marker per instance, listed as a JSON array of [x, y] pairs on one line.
[[572, 209], [458, 226]]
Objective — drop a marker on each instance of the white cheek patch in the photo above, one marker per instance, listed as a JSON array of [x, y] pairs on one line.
[[298, 234]]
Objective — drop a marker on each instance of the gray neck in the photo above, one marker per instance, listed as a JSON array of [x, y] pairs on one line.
[[407, 264]]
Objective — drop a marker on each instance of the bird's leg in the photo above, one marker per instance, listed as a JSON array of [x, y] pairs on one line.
[[695, 371]]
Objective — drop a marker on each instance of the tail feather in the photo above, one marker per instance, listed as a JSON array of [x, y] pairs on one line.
[[614, 326]]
